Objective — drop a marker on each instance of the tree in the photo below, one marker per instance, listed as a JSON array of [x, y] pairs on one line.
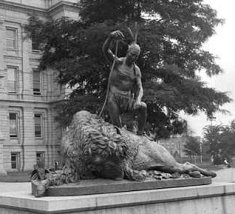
[[228, 141], [221, 141], [171, 35], [192, 147], [212, 137]]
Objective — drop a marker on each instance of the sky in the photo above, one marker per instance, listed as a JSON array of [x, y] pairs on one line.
[[222, 45]]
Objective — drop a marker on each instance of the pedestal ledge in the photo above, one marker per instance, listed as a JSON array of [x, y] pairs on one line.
[[215, 198], [102, 186]]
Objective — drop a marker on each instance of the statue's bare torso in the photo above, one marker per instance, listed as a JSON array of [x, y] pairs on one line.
[[124, 77]]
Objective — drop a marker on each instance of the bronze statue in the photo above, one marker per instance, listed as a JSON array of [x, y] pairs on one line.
[[125, 87], [92, 148]]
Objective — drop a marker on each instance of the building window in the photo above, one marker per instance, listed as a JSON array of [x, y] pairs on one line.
[[40, 158], [35, 43], [13, 120], [36, 82], [15, 160], [12, 78], [11, 38], [38, 124]]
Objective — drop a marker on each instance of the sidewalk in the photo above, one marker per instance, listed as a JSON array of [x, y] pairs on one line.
[[225, 175], [15, 187], [16, 177]]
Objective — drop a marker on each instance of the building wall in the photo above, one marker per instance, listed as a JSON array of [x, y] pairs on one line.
[[24, 103]]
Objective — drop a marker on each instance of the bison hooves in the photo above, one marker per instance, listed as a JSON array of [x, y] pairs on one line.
[[136, 175], [195, 174]]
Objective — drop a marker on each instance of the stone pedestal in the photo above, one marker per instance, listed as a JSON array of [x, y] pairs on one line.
[[101, 186], [216, 198]]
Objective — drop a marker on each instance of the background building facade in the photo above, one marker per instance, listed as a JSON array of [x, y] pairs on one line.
[[28, 131]]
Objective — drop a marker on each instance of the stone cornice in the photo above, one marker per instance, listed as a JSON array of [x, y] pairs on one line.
[[60, 4], [12, 57], [27, 101], [31, 9], [21, 8]]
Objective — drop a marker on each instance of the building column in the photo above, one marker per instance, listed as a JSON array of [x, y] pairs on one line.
[[2, 170], [28, 139], [2, 45], [26, 82]]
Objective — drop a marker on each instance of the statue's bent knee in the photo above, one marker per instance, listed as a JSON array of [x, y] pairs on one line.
[[143, 105]]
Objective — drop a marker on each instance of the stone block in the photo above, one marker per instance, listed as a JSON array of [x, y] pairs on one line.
[[102, 186], [216, 198]]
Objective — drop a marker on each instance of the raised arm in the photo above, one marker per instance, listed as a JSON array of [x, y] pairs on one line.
[[115, 35]]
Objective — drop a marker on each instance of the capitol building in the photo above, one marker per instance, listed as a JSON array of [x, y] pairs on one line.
[[28, 130]]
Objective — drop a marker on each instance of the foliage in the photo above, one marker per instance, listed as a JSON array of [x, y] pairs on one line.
[[192, 146], [221, 141], [171, 36], [212, 136]]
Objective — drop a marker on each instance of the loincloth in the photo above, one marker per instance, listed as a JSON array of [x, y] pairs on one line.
[[123, 99]]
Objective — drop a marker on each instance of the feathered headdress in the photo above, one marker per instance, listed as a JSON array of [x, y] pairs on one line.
[[134, 46]]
